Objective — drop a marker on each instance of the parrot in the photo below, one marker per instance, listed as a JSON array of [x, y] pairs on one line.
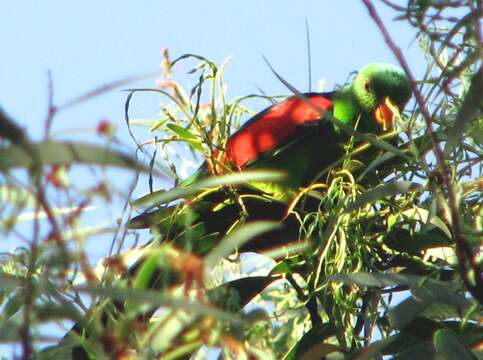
[[293, 136]]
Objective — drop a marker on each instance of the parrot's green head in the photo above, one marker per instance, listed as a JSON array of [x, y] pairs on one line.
[[379, 88]]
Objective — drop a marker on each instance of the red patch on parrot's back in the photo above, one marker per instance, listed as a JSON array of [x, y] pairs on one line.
[[272, 127]]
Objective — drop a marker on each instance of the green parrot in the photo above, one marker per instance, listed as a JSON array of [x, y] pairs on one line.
[[294, 137]]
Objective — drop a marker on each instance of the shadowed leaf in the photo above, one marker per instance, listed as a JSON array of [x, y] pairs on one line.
[[157, 299], [375, 279], [382, 192], [246, 289], [471, 108], [66, 153], [311, 346], [425, 295], [447, 344]]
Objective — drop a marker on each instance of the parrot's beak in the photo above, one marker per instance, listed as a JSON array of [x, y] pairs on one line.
[[383, 114]]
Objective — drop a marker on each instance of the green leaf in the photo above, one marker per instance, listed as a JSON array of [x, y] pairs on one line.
[[58, 351], [181, 132], [163, 196], [234, 295], [422, 350], [187, 136], [375, 279], [376, 163], [66, 153], [406, 311], [36, 215], [287, 250], [54, 311], [425, 295], [402, 240], [422, 328], [448, 345], [16, 196], [291, 265], [425, 217], [9, 282], [439, 291], [156, 299], [10, 329], [471, 108], [236, 239], [311, 346], [398, 344], [381, 192], [13, 305]]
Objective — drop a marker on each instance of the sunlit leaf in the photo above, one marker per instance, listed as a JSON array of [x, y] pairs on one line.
[[163, 196], [236, 239], [375, 279], [181, 132], [424, 216]]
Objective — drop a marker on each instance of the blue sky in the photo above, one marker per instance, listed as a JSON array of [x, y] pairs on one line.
[[88, 43]]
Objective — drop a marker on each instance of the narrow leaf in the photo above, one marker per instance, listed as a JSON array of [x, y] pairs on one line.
[[382, 192], [311, 345], [66, 153], [375, 279], [471, 108], [425, 295], [181, 132], [236, 239], [245, 288], [155, 298], [163, 196]]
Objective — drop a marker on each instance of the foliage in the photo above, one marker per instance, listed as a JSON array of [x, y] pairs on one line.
[[389, 263]]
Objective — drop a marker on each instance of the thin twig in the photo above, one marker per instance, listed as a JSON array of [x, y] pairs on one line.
[[26, 338], [52, 109], [309, 54], [311, 304], [106, 88]]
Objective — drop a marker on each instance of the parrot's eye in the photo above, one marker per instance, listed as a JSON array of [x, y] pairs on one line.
[[367, 86]]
